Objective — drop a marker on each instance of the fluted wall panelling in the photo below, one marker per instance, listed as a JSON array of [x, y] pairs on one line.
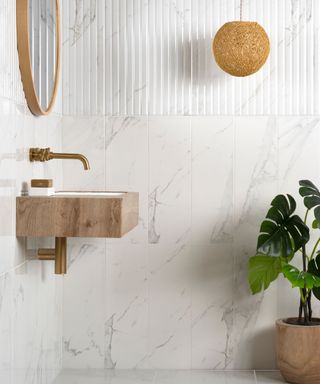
[[153, 57]]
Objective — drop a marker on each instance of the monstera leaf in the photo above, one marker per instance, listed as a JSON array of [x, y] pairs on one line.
[[282, 233], [263, 270], [314, 268], [300, 279], [311, 195]]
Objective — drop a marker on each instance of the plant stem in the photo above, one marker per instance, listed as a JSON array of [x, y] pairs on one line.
[[304, 290], [300, 311], [305, 313], [309, 306], [306, 216], [315, 248]]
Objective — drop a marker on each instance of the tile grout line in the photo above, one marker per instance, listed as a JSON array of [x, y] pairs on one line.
[[157, 115], [191, 149], [255, 377], [147, 241], [155, 376], [106, 124], [233, 253]]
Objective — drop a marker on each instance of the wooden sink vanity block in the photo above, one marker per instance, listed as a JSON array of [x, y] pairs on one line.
[[75, 214]]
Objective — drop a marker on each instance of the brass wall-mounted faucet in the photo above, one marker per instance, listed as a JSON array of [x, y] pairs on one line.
[[44, 154]]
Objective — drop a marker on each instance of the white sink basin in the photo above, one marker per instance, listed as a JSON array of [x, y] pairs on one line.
[[89, 194]]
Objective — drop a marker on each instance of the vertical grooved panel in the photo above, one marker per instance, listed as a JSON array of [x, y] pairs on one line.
[[154, 57]]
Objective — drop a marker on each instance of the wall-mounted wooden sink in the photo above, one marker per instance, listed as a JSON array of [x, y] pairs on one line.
[[78, 214], [75, 214]]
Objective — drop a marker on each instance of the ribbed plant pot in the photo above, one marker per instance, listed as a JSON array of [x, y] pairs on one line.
[[298, 352]]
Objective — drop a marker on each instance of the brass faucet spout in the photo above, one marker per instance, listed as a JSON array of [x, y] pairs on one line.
[[68, 156], [44, 154]]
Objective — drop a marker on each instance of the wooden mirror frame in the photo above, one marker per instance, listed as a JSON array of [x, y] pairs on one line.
[[22, 20]]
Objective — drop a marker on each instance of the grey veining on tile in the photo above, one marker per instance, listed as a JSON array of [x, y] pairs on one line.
[[256, 183], [170, 309], [126, 326], [153, 204], [84, 301], [109, 331], [212, 185], [297, 140], [169, 179], [212, 313], [127, 166], [221, 230], [83, 17], [263, 166], [228, 319]]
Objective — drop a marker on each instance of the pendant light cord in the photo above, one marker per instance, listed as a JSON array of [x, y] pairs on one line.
[[241, 10]]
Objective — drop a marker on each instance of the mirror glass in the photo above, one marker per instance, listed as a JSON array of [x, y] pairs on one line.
[[42, 24]]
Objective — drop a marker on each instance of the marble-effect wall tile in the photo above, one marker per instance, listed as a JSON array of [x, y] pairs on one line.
[[212, 306], [8, 185], [256, 182], [37, 320], [169, 336], [298, 158], [169, 180], [127, 166], [86, 136], [181, 299], [127, 306], [84, 305], [6, 330], [212, 184], [10, 83]]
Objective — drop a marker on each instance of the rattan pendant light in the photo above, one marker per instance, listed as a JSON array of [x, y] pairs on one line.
[[241, 48]]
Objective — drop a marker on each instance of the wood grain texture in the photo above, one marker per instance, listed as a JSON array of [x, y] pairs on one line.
[[298, 353], [77, 216]]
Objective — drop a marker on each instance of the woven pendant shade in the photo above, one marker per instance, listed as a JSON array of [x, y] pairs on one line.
[[241, 48]]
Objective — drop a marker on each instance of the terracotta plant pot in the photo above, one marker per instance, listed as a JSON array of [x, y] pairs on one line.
[[298, 352]]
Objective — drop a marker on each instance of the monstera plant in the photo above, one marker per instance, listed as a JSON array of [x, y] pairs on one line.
[[283, 237]]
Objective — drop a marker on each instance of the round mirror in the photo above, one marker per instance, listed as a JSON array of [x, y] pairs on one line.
[[38, 34]]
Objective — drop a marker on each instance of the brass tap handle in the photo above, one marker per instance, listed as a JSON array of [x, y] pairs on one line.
[[39, 154], [44, 154]]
